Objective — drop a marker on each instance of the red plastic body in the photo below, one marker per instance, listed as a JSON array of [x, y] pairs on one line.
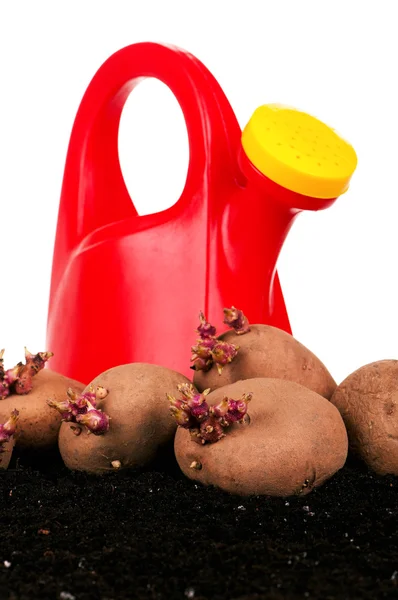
[[129, 288]]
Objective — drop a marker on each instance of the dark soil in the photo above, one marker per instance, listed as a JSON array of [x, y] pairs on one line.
[[156, 535]]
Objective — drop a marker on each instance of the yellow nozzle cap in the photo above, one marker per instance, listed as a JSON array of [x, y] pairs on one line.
[[298, 151]]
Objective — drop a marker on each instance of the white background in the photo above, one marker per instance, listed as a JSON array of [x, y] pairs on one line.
[[336, 60]]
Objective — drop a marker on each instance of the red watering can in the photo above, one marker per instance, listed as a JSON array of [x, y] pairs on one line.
[[129, 288]]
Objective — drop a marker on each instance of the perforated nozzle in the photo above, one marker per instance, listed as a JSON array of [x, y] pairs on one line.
[[299, 152]]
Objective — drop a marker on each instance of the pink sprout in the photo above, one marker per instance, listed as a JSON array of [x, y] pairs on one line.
[[235, 319], [209, 350], [205, 329], [7, 429], [206, 423], [82, 409], [34, 364]]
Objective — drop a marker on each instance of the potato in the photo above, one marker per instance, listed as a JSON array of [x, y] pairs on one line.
[[295, 441], [38, 424], [267, 351], [140, 421], [7, 438], [368, 402], [5, 456]]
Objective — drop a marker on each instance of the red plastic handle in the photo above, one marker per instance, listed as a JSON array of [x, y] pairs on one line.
[[93, 176]]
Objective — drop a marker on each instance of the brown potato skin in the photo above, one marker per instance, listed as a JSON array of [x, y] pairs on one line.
[[295, 441], [368, 402], [267, 351], [5, 456], [38, 424], [140, 422]]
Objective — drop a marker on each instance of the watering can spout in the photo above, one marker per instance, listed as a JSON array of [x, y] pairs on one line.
[[308, 163], [290, 162]]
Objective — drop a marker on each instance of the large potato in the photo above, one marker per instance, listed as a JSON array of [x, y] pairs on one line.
[[368, 402], [267, 351], [140, 421], [295, 441], [38, 424]]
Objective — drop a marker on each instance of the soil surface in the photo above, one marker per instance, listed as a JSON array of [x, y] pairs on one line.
[[156, 535]]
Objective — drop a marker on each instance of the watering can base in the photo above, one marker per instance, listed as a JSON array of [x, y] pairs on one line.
[[104, 330]]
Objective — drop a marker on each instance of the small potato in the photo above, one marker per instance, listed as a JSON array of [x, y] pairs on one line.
[[368, 402], [295, 441], [140, 421], [267, 351], [38, 424]]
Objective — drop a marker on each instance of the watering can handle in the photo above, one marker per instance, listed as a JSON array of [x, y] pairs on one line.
[[94, 193]]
